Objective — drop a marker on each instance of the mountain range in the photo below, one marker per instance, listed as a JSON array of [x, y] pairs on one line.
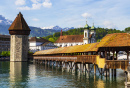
[[35, 31], [58, 28]]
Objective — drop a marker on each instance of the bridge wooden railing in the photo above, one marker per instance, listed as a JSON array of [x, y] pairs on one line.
[[78, 58], [87, 58], [114, 64], [56, 58]]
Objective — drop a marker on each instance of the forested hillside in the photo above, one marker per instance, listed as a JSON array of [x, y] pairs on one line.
[[35, 31], [100, 33]]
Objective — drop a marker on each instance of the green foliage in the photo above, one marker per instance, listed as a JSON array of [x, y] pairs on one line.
[[30, 52], [127, 29], [100, 33], [51, 39], [5, 53]]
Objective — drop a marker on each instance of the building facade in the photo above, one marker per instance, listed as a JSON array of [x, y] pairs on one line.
[[38, 43], [4, 43], [71, 40]]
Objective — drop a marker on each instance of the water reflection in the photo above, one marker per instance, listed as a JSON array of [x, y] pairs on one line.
[[80, 79], [29, 75], [18, 74]]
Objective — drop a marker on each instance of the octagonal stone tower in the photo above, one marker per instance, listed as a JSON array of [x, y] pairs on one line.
[[19, 31]]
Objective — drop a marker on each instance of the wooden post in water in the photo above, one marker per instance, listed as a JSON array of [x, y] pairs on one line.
[[56, 63], [94, 68], [60, 63], [76, 67], [81, 66], [114, 72], [88, 67]]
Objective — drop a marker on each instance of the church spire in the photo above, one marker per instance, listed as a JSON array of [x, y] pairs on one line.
[[86, 26], [86, 20], [93, 28]]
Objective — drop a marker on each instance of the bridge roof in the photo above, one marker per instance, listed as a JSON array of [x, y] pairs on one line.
[[70, 49], [115, 40], [110, 40]]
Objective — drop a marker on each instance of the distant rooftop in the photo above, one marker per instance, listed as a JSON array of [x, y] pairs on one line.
[[38, 39]]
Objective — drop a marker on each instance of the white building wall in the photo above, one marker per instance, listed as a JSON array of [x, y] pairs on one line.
[[68, 44], [32, 43], [37, 46]]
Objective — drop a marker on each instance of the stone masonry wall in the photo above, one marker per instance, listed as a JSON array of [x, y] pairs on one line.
[[19, 48]]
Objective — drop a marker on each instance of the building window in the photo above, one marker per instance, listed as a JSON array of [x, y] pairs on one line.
[[85, 34]]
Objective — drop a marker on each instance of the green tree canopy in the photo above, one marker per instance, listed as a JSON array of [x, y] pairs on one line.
[[127, 29]]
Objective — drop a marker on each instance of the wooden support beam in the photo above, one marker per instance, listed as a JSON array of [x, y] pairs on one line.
[[109, 54], [127, 54], [100, 53], [106, 55], [116, 54], [113, 54]]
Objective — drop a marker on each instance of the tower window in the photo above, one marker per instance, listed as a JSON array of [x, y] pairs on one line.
[[85, 34]]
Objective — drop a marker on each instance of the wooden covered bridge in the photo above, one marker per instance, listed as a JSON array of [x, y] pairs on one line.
[[103, 54]]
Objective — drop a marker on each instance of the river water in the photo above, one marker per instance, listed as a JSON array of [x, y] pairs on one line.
[[29, 75]]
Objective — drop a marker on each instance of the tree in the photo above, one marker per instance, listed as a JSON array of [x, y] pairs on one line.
[[5, 53], [51, 39], [127, 29]]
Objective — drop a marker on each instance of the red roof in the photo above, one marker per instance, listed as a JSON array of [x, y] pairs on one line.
[[70, 38]]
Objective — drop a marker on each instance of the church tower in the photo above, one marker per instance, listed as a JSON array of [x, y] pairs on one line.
[[19, 31], [93, 33], [86, 34]]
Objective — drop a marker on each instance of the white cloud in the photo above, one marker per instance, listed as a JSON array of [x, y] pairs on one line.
[[35, 1], [47, 4], [86, 15], [36, 6], [109, 24], [35, 19], [50, 27], [20, 2], [24, 8]]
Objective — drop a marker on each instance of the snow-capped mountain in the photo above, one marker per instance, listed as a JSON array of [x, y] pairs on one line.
[[57, 28], [4, 21], [67, 28]]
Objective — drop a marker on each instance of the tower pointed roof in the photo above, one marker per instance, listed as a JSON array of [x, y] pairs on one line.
[[86, 26], [19, 24], [93, 27]]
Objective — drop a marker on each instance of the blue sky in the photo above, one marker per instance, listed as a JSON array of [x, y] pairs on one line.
[[69, 13]]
